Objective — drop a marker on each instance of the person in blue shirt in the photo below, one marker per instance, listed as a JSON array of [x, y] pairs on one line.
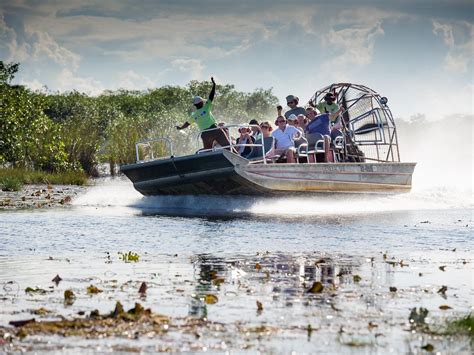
[[318, 128]]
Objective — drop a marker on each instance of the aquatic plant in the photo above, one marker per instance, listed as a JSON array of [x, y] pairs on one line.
[[10, 183], [129, 257]]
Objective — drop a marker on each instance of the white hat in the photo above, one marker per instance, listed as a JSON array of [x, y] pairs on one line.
[[292, 117], [197, 100]]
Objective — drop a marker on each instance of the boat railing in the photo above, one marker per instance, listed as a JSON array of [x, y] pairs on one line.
[[149, 144], [234, 147]]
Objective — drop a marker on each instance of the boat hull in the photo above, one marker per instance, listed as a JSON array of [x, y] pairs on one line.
[[226, 173]]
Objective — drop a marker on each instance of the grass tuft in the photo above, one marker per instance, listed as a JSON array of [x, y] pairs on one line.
[[10, 183], [12, 179]]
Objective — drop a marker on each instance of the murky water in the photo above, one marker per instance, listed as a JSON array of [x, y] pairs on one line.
[[242, 251]]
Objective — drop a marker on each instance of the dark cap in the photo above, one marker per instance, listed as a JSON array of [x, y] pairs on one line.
[[330, 96]]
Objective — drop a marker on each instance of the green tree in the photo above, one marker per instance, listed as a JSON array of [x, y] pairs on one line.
[[8, 71]]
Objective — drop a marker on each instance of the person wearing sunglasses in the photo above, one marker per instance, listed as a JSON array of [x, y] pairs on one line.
[[328, 105], [244, 139], [268, 142], [206, 122], [292, 102], [285, 136]]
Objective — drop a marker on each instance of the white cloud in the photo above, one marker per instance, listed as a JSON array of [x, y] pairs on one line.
[[68, 81], [34, 84], [357, 44], [35, 45], [193, 67], [459, 38], [9, 46], [44, 45], [133, 81]]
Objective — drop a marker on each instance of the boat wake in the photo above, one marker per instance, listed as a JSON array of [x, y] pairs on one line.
[[119, 195]]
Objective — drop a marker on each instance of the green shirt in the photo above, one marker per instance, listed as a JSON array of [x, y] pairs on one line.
[[323, 107], [203, 116]]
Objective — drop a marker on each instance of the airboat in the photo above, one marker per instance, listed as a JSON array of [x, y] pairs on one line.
[[366, 159]]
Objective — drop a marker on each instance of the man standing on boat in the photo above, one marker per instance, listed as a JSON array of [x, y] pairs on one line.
[[204, 118], [292, 102]]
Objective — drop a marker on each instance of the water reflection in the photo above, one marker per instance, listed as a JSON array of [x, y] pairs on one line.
[[288, 277]]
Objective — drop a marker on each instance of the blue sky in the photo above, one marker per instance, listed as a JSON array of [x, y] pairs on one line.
[[417, 53]]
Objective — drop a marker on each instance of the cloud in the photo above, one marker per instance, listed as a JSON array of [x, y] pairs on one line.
[[459, 38], [193, 67], [133, 81], [44, 45], [357, 44], [34, 84], [68, 81], [10, 49], [29, 44]]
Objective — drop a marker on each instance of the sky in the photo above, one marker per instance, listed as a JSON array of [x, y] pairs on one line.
[[418, 53]]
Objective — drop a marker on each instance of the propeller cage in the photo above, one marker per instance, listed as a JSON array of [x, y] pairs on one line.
[[367, 120]]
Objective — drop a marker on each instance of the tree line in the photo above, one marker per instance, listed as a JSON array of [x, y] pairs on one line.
[[72, 131]]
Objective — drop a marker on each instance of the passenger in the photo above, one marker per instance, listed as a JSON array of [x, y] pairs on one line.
[[244, 138], [302, 122], [268, 143], [329, 105], [292, 120], [292, 102], [318, 128], [205, 120], [285, 136], [255, 131]]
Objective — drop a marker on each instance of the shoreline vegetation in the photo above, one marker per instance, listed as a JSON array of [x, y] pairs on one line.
[[73, 132], [24, 189]]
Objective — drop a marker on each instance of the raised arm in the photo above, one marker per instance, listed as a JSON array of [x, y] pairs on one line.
[[184, 125], [213, 90]]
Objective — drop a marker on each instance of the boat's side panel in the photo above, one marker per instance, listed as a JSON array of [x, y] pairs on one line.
[[331, 177], [210, 174], [226, 173]]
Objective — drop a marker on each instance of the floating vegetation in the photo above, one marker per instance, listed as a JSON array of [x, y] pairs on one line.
[[117, 322], [316, 288], [69, 297], [93, 290], [417, 318], [239, 303], [57, 279], [129, 257], [210, 299], [143, 288], [35, 290], [459, 326]]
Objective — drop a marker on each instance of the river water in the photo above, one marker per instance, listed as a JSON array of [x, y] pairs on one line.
[[265, 250], [244, 266]]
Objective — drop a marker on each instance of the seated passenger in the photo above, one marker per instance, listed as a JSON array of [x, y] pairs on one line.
[[317, 129], [268, 143], [285, 136], [302, 122], [255, 131], [296, 123], [292, 120], [244, 138]]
